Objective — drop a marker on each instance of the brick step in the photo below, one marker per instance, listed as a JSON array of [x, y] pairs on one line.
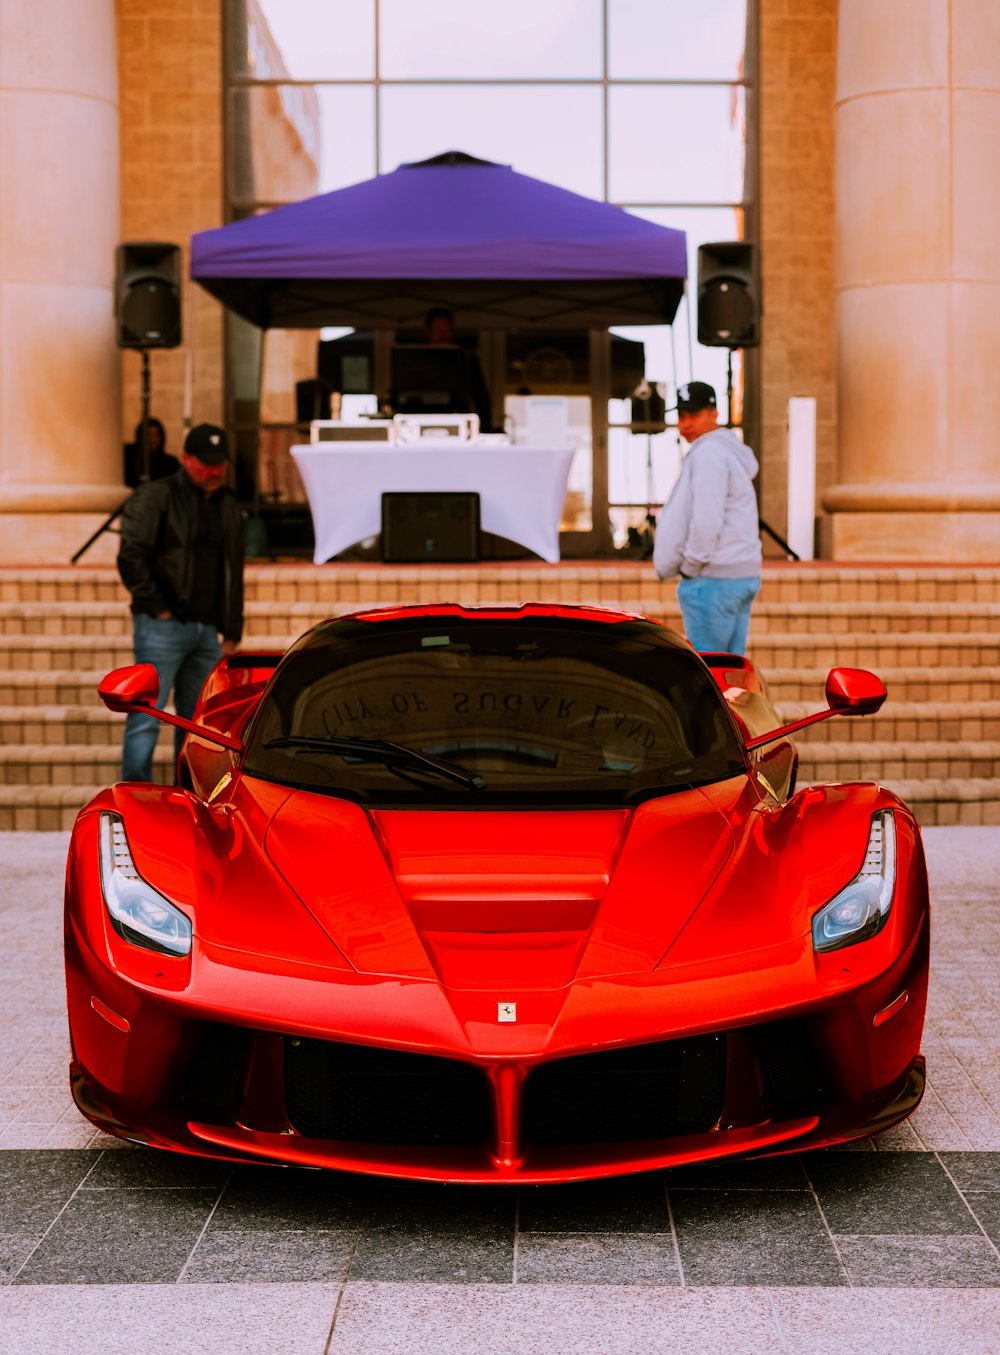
[[948, 684], [98, 654], [41, 620], [371, 583], [935, 760], [51, 687], [859, 618], [613, 580], [917, 649], [59, 725], [902, 722], [76, 764], [945, 685], [951, 801], [49, 809], [105, 618]]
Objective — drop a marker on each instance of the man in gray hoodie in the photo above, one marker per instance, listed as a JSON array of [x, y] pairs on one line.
[[708, 531]]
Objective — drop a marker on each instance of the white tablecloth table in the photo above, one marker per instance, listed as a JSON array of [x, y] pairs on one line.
[[521, 489]]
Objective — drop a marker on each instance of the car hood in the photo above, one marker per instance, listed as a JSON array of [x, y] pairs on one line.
[[500, 899]]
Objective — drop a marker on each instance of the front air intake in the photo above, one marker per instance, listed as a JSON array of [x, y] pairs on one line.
[[357, 1094], [652, 1091]]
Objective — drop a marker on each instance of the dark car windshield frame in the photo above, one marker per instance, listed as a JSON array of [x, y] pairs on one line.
[[528, 711]]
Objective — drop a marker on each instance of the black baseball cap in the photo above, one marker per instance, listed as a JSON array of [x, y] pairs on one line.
[[694, 395], [208, 444]]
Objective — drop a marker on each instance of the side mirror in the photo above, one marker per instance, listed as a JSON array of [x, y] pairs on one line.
[[136, 689], [849, 691], [131, 688], [854, 691]]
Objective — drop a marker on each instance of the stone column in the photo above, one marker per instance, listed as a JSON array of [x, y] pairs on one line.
[[918, 261], [60, 434]]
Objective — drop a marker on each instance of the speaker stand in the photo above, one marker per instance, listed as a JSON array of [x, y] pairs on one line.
[[764, 526], [144, 446], [143, 463]]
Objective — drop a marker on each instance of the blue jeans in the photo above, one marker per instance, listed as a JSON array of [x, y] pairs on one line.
[[183, 653], [716, 612]]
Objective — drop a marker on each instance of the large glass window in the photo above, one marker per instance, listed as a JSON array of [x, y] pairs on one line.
[[647, 104], [551, 132], [676, 40], [482, 40]]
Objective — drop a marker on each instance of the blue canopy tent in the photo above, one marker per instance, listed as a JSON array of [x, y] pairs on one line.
[[500, 249]]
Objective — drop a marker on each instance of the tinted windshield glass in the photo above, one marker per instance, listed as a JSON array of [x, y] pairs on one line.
[[543, 711]]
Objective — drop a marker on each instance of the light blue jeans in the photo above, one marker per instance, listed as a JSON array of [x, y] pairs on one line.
[[183, 653], [716, 612]]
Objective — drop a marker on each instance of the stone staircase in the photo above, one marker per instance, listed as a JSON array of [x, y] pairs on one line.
[[932, 634]]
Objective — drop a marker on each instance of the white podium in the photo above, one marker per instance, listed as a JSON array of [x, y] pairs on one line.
[[521, 489]]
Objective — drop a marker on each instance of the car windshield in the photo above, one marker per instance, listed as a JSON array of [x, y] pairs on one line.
[[467, 711]]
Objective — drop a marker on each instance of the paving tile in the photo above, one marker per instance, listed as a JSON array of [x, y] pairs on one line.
[[121, 1237], [15, 1248], [429, 1256], [25, 1136], [631, 1204], [922, 1262], [43, 1105], [281, 1257], [544, 1319], [888, 1193], [269, 1199], [272, 1198], [772, 1173], [973, 1171], [36, 1184], [77, 1135], [901, 1138], [146, 1168], [985, 1207], [864, 1321], [238, 1319], [735, 1238], [597, 1258]]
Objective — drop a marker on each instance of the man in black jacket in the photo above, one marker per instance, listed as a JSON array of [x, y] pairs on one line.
[[181, 558]]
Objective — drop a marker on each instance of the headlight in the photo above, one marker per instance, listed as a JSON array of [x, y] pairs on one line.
[[138, 912], [860, 910]]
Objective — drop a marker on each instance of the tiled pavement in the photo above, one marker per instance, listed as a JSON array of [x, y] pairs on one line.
[[128, 1251]]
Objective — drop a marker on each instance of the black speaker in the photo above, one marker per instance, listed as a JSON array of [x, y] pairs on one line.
[[728, 295], [148, 294], [442, 527], [312, 400]]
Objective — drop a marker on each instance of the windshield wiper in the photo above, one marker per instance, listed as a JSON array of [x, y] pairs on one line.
[[381, 750]]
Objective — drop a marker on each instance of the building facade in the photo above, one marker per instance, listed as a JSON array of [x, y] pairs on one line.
[[874, 150]]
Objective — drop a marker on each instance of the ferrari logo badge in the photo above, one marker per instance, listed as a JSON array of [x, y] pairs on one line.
[[506, 1011]]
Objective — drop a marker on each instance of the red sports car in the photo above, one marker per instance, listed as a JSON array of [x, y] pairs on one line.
[[494, 894]]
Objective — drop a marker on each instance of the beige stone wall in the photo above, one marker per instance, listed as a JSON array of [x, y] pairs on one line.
[[918, 195], [170, 82], [798, 230], [59, 470]]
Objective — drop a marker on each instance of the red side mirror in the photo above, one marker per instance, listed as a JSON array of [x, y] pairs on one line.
[[128, 688], [854, 691], [849, 691], [137, 688]]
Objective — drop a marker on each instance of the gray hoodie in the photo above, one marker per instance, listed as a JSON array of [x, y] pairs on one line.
[[709, 526]]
